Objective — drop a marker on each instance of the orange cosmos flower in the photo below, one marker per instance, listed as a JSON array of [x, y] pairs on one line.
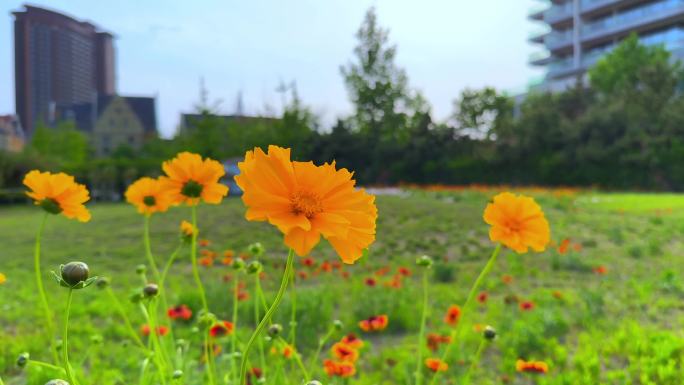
[[436, 365], [344, 352], [148, 196], [518, 222], [189, 179], [523, 366], [221, 328], [352, 340], [3, 278], [339, 369], [306, 201], [453, 315], [58, 194], [374, 323]]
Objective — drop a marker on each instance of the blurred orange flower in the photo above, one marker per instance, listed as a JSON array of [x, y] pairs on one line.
[[436, 365], [352, 340], [531, 366], [374, 323], [339, 369], [221, 328], [601, 270], [206, 261], [148, 196], [453, 315], [305, 201], [58, 194], [518, 222], [161, 330], [344, 352], [189, 179]]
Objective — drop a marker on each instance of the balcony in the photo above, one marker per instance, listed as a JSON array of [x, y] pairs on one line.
[[558, 13], [537, 36], [557, 40], [561, 68], [537, 12], [633, 19], [587, 6], [539, 58]]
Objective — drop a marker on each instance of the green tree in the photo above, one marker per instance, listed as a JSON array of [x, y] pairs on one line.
[[63, 144], [482, 113]]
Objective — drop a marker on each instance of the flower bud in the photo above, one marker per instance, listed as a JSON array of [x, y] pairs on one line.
[[254, 267], [206, 319], [275, 329], [22, 360], [177, 374], [338, 325], [140, 269], [256, 249], [150, 290], [424, 261], [74, 273], [238, 264], [489, 333], [102, 282], [56, 382]]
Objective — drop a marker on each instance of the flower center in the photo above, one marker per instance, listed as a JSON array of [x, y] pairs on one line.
[[149, 200], [192, 189], [50, 205], [306, 203]]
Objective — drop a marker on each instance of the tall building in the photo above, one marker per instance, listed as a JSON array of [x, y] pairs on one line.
[[58, 60], [577, 33]]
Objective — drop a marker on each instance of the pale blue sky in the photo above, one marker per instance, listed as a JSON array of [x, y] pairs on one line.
[[164, 47]]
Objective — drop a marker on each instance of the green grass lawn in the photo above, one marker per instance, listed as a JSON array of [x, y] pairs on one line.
[[624, 327]]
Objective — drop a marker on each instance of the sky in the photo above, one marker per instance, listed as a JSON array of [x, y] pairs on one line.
[[164, 47]]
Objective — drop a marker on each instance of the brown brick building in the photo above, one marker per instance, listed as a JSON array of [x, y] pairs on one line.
[[58, 61]]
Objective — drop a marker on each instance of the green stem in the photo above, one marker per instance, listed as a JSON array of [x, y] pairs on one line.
[[471, 295], [321, 343], [293, 317], [65, 348], [168, 265], [193, 257], [127, 322], [257, 292], [155, 272], [45, 365], [233, 337], [267, 316], [476, 361], [154, 339], [209, 352], [421, 334], [41, 290], [298, 360]]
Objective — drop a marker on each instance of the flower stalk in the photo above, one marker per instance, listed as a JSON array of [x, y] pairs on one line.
[[41, 289], [267, 316]]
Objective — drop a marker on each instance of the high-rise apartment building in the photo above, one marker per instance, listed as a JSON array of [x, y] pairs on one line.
[[579, 32], [58, 61]]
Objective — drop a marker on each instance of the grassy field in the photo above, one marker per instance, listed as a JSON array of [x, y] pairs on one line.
[[622, 326]]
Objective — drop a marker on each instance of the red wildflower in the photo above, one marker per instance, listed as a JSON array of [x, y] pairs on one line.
[[302, 274], [344, 352], [228, 254], [308, 262], [227, 261], [436, 365], [339, 369], [382, 271], [523, 366], [221, 328], [482, 297], [161, 330], [526, 305], [326, 266], [453, 314], [434, 340], [507, 279], [403, 271], [179, 312], [204, 242], [352, 340], [374, 323], [206, 261], [564, 246], [337, 265], [344, 274], [601, 270], [557, 294], [370, 282]]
